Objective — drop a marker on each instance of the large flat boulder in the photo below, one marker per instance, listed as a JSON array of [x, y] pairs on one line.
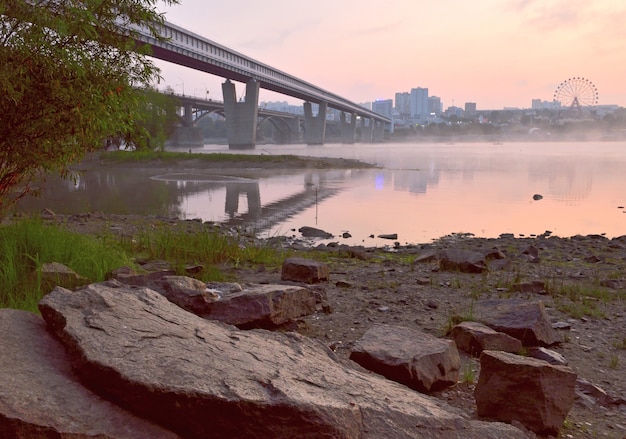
[[533, 392], [201, 378], [249, 306], [525, 320], [414, 358], [41, 397]]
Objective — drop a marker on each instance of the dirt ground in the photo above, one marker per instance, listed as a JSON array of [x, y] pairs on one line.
[[585, 280]]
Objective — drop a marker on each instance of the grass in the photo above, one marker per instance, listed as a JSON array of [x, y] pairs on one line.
[[168, 156], [579, 299], [468, 375], [139, 156], [27, 244], [455, 319], [620, 344], [206, 247]]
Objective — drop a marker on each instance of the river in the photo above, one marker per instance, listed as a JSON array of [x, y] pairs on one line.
[[419, 192]]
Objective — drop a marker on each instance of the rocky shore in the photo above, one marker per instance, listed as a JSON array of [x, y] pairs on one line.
[[580, 280]]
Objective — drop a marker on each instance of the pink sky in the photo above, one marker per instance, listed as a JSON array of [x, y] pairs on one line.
[[497, 53]]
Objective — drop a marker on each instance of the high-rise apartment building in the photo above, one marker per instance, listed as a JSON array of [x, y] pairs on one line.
[[434, 105], [403, 105], [419, 104]]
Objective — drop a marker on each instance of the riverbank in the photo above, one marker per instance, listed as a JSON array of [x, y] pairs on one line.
[[584, 279]]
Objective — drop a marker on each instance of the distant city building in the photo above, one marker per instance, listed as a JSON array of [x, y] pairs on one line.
[[538, 104], [383, 107], [283, 106], [403, 105], [454, 111], [419, 104], [434, 105], [470, 109]]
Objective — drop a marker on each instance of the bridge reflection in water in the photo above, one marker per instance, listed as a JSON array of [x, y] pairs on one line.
[[188, 195], [263, 218]]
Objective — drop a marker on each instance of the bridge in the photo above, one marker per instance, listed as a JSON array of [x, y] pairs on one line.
[[286, 127], [194, 51]]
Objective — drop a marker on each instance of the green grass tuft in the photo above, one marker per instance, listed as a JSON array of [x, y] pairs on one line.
[[27, 244]]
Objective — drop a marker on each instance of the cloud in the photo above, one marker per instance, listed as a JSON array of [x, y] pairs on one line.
[[551, 15]]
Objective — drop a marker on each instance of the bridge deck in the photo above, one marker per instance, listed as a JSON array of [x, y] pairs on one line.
[[194, 51]]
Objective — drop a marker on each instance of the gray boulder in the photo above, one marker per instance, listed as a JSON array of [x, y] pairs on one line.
[[474, 337], [41, 397], [548, 355], [524, 320], [413, 358], [533, 392], [465, 261], [255, 306], [312, 232], [260, 306], [56, 274], [304, 270], [204, 379]]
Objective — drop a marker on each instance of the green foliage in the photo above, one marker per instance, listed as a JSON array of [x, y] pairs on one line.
[[455, 319], [68, 80], [155, 121], [468, 374], [206, 247], [26, 245]]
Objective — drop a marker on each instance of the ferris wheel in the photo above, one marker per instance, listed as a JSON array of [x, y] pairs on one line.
[[576, 93]]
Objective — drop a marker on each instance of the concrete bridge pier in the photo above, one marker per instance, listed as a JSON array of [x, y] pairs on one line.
[[379, 131], [348, 129], [241, 117], [187, 134], [367, 130], [315, 126], [188, 114]]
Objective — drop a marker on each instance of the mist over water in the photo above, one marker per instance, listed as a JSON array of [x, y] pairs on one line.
[[420, 191]]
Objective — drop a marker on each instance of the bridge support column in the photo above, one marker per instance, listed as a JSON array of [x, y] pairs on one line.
[[379, 131], [241, 117], [367, 130], [315, 126], [188, 115], [187, 137], [348, 129]]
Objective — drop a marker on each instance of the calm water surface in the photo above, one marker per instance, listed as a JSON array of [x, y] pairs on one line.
[[421, 192]]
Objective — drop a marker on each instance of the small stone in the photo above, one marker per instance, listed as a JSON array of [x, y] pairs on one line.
[[432, 304]]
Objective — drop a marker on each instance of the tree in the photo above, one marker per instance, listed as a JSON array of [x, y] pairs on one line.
[[69, 77], [154, 122]]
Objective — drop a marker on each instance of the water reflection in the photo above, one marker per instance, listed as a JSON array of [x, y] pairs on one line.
[[420, 192]]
